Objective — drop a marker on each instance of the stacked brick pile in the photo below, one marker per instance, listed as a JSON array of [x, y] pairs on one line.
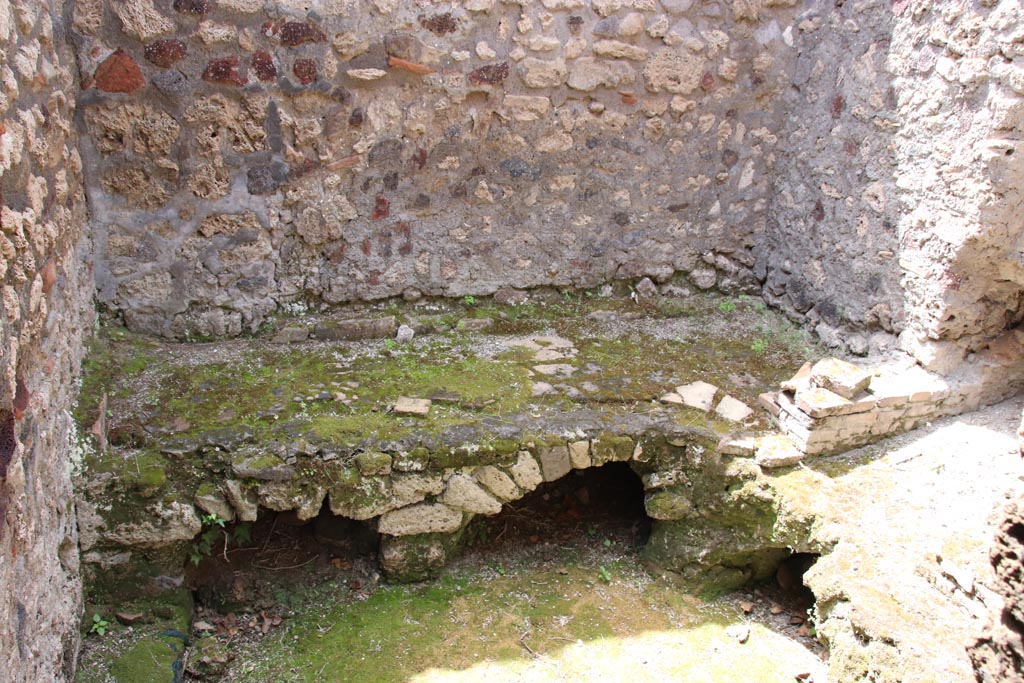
[[834, 405]]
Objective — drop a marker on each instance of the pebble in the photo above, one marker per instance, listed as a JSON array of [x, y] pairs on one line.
[[541, 389], [741, 632]]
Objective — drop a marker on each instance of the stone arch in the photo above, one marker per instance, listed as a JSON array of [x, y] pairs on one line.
[[418, 539]]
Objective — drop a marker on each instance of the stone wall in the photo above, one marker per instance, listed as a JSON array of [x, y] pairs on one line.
[[250, 155], [46, 286], [959, 79], [854, 159], [998, 655], [831, 254], [897, 198]]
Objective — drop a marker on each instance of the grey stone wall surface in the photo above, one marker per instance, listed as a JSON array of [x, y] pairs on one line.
[[853, 161], [46, 290], [246, 156], [830, 258], [899, 195]]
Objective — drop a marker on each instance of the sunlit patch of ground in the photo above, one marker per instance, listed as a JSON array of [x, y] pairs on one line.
[[583, 614]]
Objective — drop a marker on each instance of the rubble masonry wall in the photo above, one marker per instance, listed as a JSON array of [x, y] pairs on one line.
[[46, 290]]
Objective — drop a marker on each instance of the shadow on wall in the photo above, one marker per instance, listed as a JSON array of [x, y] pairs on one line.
[[960, 173], [897, 204], [831, 250]]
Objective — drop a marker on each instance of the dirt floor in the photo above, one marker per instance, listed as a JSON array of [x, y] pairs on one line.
[[551, 590]]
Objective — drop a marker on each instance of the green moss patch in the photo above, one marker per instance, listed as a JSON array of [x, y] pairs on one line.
[[150, 651], [562, 621]]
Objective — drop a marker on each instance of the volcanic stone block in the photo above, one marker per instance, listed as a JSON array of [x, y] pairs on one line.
[[497, 482], [407, 489], [215, 503], [526, 472], [465, 493], [818, 402], [244, 500], [417, 407], [667, 505], [424, 518], [555, 462], [263, 467], [291, 334], [733, 409], [579, 455], [371, 463], [777, 451], [611, 449], [801, 380], [355, 329], [840, 377], [742, 445], [698, 395]]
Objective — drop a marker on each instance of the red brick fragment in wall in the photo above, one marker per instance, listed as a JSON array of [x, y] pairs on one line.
[[295, 33], [440, 24], [381, 208], [838, 105], [21, 398], [118, 73], [196, 7], [489, 74], [305, 70], [338, 254], [164, 53], [818, 213], [707, 81], [263, 66], [223, 70], [419, 158], [8, 444], [301, 168], [412, 67], [403, 231], [49, 275]]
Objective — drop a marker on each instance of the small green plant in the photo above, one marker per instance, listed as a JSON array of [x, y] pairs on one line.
[[727, 306], [213, 530], [469, 301], [203, 545], [390, 344], [604, 574], [99, 625], [759, 345], [607, 543], [242, 534]]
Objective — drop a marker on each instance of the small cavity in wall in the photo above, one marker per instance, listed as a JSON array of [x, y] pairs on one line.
[[244, 563]]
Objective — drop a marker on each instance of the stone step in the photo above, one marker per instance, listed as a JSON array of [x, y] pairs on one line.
[[416, 436]]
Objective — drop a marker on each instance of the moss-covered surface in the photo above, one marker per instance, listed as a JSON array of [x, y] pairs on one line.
[[150, 650], [296, 422], [341, 390], [578, 618]]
